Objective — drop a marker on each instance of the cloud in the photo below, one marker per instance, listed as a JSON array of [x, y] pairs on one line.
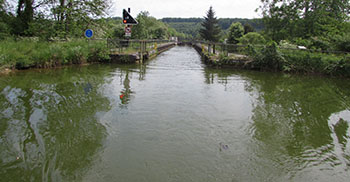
[[188, 8]]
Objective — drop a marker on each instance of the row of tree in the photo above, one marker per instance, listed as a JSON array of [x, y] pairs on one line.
[[304, 18], [321, 24], [148, 28], [49, 18], [211, 30], [191, 26]]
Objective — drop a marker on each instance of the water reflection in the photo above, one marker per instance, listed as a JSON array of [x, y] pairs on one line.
[[180, 122], [126, 92], [296, 122], [48, 127]]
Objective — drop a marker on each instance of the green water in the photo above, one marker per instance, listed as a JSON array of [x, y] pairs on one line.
[[172, 119]]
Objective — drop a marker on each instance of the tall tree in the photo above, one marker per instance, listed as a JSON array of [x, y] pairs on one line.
[[236, 31], [210, 28], [25, 14]]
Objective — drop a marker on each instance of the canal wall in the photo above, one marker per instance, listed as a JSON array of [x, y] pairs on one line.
[[219, 60], [138, 57]]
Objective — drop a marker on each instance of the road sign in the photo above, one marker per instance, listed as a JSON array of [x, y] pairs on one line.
[[89, 33], [128, 31], [128, 19]]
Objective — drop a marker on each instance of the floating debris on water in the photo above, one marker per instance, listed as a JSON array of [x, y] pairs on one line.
[[223, 146]]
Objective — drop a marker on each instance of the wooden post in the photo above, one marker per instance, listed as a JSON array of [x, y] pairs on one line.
[[141, 53]]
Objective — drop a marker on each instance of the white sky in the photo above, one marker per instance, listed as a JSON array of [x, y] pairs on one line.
[[188, 8]]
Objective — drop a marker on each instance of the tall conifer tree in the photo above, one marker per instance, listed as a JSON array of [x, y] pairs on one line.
[[210, 28]]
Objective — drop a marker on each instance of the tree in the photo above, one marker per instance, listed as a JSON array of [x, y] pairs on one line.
[[210, 29], [236, 31], [73, 15], [300, 18], [25, 13], [60, 18], [248, 28]]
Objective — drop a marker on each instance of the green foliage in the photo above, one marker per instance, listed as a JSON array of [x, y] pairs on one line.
[[313, 62], [27, 53], [303, 42], [252, 38], [321, 43], [50, 18], [343, 42], [191, 26], [236, 31], [270, 57], [210, 29], [267, 58], [285, 44], [4, 30], [305, 19], [150, 28], [248, 28]]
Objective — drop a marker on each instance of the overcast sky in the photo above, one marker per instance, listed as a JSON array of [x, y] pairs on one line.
[[188, 8]]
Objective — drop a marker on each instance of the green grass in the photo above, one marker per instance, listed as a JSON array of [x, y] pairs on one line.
[[35, 54], [313, 62], [273, 58]]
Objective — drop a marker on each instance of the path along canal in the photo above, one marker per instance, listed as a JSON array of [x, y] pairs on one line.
[[172, 119]]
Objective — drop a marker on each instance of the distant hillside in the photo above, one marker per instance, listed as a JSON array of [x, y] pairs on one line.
[[191, 26]]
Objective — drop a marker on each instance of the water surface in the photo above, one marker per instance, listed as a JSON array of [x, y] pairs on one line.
[[172, 119]]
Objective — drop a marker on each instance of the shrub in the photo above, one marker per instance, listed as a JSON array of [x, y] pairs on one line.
[[321, 43], [267, 58], [252, 38], [303, 42], [343, 42]]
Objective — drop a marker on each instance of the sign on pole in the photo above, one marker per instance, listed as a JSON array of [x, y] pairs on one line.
[[128, 19], [127, 31], [89, 33]]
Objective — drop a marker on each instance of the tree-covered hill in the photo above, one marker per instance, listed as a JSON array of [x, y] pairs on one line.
[[191, 26]]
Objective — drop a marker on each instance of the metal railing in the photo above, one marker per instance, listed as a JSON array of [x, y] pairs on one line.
[[125, 46]]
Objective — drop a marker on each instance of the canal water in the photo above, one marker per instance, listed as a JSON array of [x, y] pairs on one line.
[[172, 119]]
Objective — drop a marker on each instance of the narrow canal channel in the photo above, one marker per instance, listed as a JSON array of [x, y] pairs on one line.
[[172, 119]]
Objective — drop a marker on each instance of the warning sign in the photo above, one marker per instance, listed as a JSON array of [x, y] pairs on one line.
[[128, 31]]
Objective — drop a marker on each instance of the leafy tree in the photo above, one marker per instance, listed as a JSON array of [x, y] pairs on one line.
[[151, 28], [252, 38], [248, 28], [25, 14], [236, 31], [2, 5], [73, 16], [299, 18], [210, 29]]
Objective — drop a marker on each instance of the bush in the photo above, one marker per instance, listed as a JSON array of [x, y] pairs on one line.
[[267, 58], [343, 42], [252, 38], [311, 62], [303, 42], [321, 43]]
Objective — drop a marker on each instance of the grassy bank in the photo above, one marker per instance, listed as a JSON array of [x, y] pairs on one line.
[[26, 54], [271, 57]]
